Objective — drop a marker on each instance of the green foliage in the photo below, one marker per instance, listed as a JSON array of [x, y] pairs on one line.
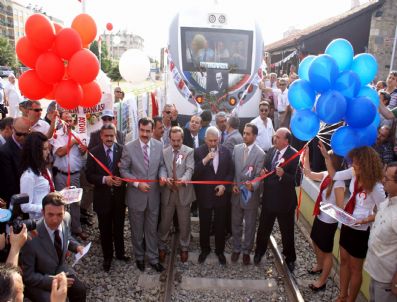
[[114, 73], [7, 54], [106, 63]]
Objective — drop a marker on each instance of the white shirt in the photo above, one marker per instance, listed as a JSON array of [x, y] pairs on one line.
[[41, 126], [51, 232], [331, 199], [37, 187], [265, 133], [2, 140], [76, 160], [365, 202], [282, 99], [12, 93], [381, 261]]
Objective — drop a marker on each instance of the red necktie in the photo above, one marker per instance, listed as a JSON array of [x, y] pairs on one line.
[[325, 183], [45, 174], [352, 201]]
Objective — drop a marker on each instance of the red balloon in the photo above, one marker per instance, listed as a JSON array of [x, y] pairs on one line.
[[27, 53], [50, 68], [67, 43], [40, 31], [32, 87], [68, 94], [83, 67], [91, 94], [86, 27], [51, 95], [57, 27], [109, 26]]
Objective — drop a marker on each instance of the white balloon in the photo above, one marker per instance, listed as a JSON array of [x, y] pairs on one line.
[[134, 66]]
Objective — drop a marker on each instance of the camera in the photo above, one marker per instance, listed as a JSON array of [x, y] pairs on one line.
[[16, 219]]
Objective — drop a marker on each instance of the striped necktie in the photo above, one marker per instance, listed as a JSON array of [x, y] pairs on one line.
[[146, 156], [109, 159]]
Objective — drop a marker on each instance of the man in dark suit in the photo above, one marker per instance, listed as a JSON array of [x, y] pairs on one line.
[[10, 158], [109, 193], [190, 135], [212, 162], [95, 137], [279, 197], [44, 256]]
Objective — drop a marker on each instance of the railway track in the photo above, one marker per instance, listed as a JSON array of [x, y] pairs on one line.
[[268, 281]]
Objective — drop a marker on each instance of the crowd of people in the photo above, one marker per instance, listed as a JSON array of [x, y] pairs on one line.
[[150, 180]]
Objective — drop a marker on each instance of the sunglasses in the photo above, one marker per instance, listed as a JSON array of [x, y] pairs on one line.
[[36, 109], [264, 110], [107, 118], [168, 112], [118, 91], [21, 133]]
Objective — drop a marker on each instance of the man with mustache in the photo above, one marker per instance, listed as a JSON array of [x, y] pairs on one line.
[[109, 192]]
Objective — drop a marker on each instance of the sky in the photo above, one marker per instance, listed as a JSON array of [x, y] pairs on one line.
[[150, 19]]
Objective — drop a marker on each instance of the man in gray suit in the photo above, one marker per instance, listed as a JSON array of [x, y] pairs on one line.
[[248, 161], [179, 166], [142, 159], [44, 256], [233, 137]]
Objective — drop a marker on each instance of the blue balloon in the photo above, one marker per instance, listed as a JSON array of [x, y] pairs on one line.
[[301, 95], [343, 140], [342, 51], [372, 94], [365, 66], [323, 72], [305, 124], [303, 70], [331, 107], [376, 121], [367, 135], [348, 83], [360, 112]]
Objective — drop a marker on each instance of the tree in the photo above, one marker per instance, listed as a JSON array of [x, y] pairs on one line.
[[114, 73], [7, 54], [106, 63]]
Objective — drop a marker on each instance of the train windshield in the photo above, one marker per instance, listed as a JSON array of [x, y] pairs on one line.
[[227, 49]]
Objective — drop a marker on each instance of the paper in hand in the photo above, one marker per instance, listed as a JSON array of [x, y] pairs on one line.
[[78, 256]]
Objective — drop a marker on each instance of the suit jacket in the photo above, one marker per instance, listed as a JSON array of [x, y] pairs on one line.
[[188, 140], [247, 171], [95, 138], [279, 195], [10, 174], [233, 138], [184, 171], [95, 174], [132, 166], [206, 193], [39, 257]]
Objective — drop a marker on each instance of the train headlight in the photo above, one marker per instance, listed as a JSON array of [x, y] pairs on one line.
[[232, 101], [222, 19], [212, 18], [199, 99]]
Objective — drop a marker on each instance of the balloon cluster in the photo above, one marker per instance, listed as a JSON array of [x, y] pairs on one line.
[[62, 67], [333, 87]]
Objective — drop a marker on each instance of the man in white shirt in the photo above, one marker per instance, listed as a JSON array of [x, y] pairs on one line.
[[64, 163], [283, 107], [13, 96], [37, 124], [381, 261], [265, 127]]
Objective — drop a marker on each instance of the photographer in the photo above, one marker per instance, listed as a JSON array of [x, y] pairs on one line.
[[44, 255]]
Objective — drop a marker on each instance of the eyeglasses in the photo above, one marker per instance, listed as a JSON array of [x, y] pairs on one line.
[[21, 133], [168, 112], [117, 91], [36, 109], [282, 84], [107, 118], [264, 110]]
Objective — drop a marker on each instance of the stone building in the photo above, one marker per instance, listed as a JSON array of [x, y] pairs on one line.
[[7, 21], [118, 43], [370, 27]]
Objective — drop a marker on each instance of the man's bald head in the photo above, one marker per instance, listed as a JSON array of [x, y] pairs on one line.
[[21, 128]]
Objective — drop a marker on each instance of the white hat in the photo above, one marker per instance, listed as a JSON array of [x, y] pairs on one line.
[[107, 112]]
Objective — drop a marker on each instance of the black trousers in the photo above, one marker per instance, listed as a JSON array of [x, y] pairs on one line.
[[205, 216], [76, 293], [286, 223], [111, 229]]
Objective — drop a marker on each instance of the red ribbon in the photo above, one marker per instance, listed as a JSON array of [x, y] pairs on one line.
[[351, 204], [325, 183]]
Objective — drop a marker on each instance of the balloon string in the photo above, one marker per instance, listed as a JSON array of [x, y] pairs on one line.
[[321, 139]]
